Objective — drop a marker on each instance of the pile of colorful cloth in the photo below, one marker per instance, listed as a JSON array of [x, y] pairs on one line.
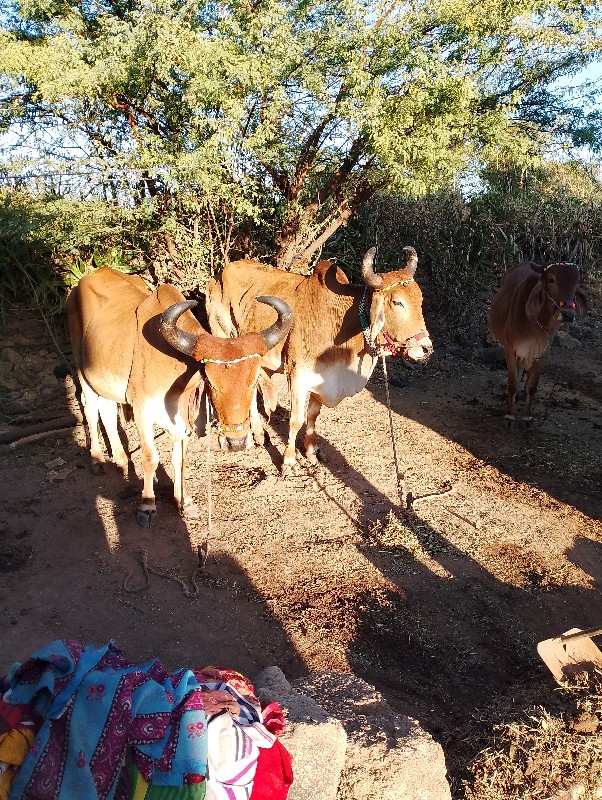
[[82, 722]]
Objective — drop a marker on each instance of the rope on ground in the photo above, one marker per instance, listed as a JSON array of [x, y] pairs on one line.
[[548, 402], [400, 475], [409, 501], [164, 573], [205, 547], [202, 549]]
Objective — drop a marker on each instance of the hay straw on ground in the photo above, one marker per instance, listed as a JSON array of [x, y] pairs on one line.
[[545, 755]]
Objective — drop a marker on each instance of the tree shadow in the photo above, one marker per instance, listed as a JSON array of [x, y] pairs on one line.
[[90, 571], [560, 454], [449, 638]]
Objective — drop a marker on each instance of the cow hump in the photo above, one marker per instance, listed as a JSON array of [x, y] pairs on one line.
[[327, 273]]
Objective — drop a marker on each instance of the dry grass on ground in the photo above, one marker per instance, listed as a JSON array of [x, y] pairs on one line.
[[546, 753]]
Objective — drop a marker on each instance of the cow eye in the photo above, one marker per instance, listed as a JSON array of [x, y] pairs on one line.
[[398, 303]]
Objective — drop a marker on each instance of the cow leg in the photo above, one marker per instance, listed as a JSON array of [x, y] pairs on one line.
[[90, 402], [108, 416], [531, 387], [146, 514], [297, 418], [313, 409], [512, 366], [255, 422], [185, 503]]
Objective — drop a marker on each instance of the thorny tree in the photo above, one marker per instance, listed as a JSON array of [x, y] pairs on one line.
[[285, 117]]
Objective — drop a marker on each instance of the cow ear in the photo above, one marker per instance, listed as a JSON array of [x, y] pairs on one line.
[[535, 302], [582, 303], [268, 392], [377, 314]]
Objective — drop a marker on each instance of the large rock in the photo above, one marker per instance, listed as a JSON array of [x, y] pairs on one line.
[[387, 757], [566, 341], [316, 741]]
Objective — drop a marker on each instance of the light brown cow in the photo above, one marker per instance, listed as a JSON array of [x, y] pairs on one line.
[[127, 349], [529, 307], [336, 335]]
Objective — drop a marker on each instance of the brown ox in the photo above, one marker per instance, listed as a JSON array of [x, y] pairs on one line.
[[334, 341], [127, 349], [529, 307]]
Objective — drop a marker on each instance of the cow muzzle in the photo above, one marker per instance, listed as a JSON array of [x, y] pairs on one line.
[[567, 310], [234, 437], [416, 348]]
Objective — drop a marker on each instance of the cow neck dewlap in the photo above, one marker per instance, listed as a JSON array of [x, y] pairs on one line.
[[529, 350]]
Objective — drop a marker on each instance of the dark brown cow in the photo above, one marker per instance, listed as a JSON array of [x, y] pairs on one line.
[[336, 335], [529, 307], [127, 349]]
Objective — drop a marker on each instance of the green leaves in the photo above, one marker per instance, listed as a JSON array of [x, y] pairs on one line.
[[295, 112]]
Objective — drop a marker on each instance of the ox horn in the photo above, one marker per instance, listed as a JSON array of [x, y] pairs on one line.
[[176, 337], [412, 261], [276, 332], [369, 277]]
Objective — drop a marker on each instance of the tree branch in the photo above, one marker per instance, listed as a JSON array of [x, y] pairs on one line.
[[310, 148], [338, 178]]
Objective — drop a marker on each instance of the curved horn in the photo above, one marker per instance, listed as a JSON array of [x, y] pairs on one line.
[[412, 261], [369, 277], [276, 332], [176, 337]]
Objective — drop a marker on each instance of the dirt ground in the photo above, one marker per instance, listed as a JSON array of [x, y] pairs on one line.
[[441, 609]]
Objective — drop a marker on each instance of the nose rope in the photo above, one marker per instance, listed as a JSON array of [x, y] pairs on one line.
[[391, 345], [224, 428], [561, 304]]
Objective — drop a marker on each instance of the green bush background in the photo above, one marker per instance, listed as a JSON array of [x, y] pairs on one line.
[[464, 243]]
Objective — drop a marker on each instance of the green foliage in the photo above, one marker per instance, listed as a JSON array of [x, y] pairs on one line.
[[283, 118], [464, 246], [47, 244]]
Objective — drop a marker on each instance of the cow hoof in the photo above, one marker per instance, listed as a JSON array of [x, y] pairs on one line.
[[291, 470], [146, 517], [98, 468], [123, 466], [526, 422], [190, 510], [509, 422]]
